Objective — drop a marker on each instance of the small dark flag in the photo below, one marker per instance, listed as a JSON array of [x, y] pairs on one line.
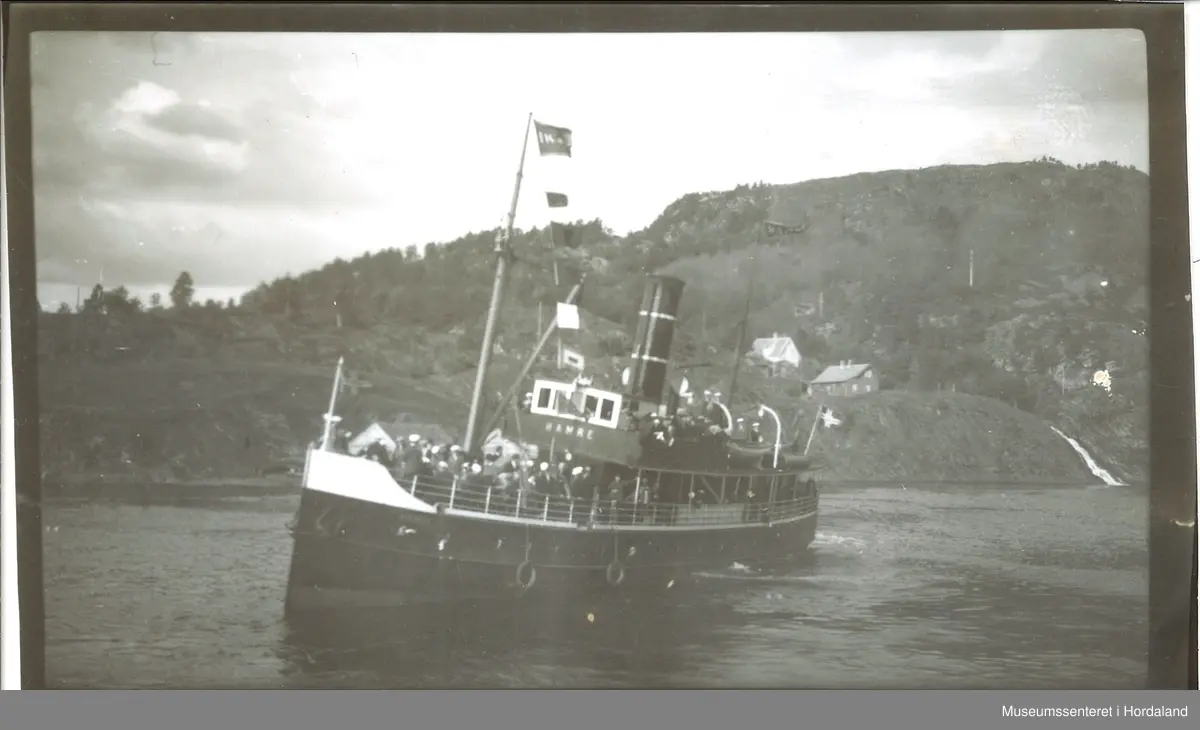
[[553, 140], [566, 235], [556, 200], [774, 229]]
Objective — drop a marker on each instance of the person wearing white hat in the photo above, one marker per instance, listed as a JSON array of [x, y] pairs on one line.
[[756, 436], [540, 480], [456, 456], [570, 480]]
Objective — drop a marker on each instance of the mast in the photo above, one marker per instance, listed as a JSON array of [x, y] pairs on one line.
[[537, 351], [741, 345], [503, 254], [331, 415]]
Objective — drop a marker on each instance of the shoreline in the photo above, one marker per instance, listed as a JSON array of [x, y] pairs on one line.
[[232, 488]]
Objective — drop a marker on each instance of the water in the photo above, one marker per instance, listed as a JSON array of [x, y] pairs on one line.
[[975, 586], [1100, 472]]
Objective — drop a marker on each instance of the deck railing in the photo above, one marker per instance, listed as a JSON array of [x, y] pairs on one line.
[[463, 496]]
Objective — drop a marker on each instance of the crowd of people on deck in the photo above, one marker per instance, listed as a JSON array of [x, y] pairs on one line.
[[708, 421], [560, 475], [427, 460]]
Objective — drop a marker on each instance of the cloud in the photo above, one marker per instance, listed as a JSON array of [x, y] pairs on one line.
[[1038, 67], [149, 243], [195, 120], [243, 156], [113, 118]]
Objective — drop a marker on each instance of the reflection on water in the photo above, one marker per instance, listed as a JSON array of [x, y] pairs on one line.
[[944, 587]]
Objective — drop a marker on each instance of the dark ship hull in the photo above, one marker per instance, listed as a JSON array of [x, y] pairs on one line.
[[379, 544]]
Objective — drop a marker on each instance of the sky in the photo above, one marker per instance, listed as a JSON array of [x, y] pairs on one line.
[[243, 157]]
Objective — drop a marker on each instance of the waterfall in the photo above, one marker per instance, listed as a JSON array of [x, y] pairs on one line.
[[1100, 472]]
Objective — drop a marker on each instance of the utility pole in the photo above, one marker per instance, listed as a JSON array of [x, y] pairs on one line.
[[971, 270]]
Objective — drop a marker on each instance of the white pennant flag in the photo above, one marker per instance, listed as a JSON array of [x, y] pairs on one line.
[[568, 316]]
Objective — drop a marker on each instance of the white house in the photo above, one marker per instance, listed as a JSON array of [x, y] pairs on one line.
[[778, 351]]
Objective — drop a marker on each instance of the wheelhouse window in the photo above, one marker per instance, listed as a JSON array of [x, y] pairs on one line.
[[608, 412], [597, 407], [546, 397]]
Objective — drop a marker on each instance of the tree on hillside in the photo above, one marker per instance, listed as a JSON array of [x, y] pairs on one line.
[[64, 308], [117, 301], [156, 301], [231, 304], [183, 291], [95, 301]]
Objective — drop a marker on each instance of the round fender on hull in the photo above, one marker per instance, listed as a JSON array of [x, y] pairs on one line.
[[526, 575], [614, 574]]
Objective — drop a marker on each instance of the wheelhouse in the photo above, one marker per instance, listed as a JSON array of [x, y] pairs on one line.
[[596, 407]]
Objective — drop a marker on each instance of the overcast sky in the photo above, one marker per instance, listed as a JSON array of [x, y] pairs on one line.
[[242, 157]]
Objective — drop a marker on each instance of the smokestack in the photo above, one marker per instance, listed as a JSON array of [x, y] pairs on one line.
[[652, 343]]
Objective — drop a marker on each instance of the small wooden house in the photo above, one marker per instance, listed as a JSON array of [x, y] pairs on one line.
[[778, 352], [844, 379]]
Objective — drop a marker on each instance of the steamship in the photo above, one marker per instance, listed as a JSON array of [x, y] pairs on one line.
[[363, 538]]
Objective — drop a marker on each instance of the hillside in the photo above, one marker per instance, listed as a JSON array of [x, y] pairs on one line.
[[947, 436], [880, 274]]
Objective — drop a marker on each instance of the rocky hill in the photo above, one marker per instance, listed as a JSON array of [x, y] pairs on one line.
[[1016, 282]]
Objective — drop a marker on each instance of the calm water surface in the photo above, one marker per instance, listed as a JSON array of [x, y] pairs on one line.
[[918, 587]]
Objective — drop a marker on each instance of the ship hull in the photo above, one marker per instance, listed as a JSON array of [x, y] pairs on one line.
[[356, 553]]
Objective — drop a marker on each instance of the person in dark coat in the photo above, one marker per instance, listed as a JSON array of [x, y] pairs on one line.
[[376, 451], [412, 460]]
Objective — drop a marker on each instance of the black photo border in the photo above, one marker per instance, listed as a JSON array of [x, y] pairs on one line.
[[1172, 533]]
